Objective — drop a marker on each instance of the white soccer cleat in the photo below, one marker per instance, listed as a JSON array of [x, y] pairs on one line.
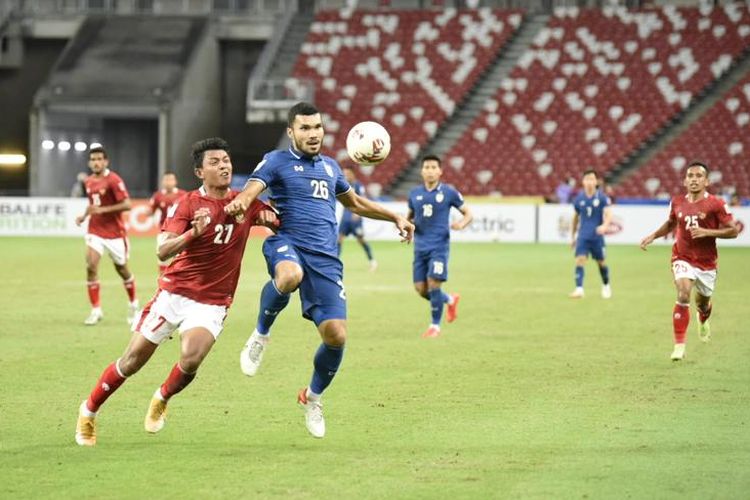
[[606, 292], [373, 265], [252, 353], [132, 312], [314, 421], [156, 415], [85, 427], [704, 329], [95, 316], [577, 293], [678, 354]]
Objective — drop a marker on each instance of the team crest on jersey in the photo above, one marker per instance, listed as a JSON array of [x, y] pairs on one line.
[[419, 198], [328, 168], [439, 197], [679, 214], [596, 202], [701, 215], [102, 191]]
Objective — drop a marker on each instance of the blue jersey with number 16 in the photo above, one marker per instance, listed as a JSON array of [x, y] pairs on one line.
[[431, 211], [304, 190]]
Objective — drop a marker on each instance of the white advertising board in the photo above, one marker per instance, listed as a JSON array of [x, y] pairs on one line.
[[630, 223]]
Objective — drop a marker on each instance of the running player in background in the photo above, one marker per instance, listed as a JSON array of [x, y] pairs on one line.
[[195, 291], [593, 213], [304, 253], [351, 223], [429, 209], [108, 198], [162, 200], [699, 218]]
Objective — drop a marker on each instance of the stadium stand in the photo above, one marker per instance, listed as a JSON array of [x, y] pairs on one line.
[[720, 138], [406, 69], [595, 86]]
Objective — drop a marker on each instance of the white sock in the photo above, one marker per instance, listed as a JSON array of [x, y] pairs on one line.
[[158, 395], [85, 410], [311, 396]]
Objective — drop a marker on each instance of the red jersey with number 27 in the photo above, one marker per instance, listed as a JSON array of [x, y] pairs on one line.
[[102, 191], [208, 269], [708, 212]]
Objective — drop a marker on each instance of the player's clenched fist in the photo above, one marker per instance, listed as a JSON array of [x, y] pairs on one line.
[[268, 218], [237, 206], [405, 229], [201, 220]]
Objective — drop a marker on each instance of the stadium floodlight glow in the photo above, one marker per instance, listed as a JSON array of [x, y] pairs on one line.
[[95, 145], [80, 146], [48, 145], [63, 146], [14, 160]]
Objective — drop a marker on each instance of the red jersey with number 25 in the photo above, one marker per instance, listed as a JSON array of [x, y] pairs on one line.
[[208, 269], [102, 191], [709, 212]]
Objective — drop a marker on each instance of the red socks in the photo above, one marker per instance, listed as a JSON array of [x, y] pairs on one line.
[[704, 315], [130, 288], [680, 321], [176, 381], [93, 287], [108, 383]]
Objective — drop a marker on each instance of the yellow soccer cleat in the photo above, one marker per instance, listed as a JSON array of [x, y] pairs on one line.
[[156, 416], [85, 428]]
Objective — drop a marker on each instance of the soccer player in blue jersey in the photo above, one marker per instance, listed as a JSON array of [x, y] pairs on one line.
[[593, 213], [303, 254], [351, 223], [429, 209]]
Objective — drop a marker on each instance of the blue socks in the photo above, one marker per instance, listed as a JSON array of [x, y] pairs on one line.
[[326, 362], [272, 302], [368, 250], [579, 276], [604, 271], [437, 299]]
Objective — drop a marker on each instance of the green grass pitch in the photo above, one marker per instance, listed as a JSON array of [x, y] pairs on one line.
[[527, 395]]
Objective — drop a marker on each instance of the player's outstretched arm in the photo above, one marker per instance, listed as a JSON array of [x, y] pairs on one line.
[[123, 206], [170, 244], [728, 231], [663, 230], [465, 221], [366, 208], [242, 201]]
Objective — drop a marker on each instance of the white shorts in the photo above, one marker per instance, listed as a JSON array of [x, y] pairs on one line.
[[117, 248], [705, 281], [167, 312]]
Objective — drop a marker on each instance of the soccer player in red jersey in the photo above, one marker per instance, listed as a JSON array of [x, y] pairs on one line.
[[162, 200], [698, 218], [194, 292], [108, 198]]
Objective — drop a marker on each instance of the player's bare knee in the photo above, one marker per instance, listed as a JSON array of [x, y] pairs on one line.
[[333, 332], [288, 277]]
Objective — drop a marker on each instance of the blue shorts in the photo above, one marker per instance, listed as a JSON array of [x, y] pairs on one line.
[[322, 288], [349, 226], [594, 246], [430, 264]]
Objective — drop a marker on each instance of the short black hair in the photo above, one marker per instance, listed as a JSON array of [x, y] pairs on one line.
[[301, 108], [98, 149], [433, 158], [698, 163], [200, 147], [590, 171]]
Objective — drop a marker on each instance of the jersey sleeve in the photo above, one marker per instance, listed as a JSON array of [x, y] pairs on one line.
[[723, 213], [457, 200], [342, 185], [119, 191], [672, 217], [179, 217], [575, 205], [153, 203], [266, 171]]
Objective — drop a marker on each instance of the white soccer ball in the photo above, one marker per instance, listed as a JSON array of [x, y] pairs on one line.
[[368, 143]]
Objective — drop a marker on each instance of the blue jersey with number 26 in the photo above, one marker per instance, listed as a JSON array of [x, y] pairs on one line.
[[304, 190], [431, 211]]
